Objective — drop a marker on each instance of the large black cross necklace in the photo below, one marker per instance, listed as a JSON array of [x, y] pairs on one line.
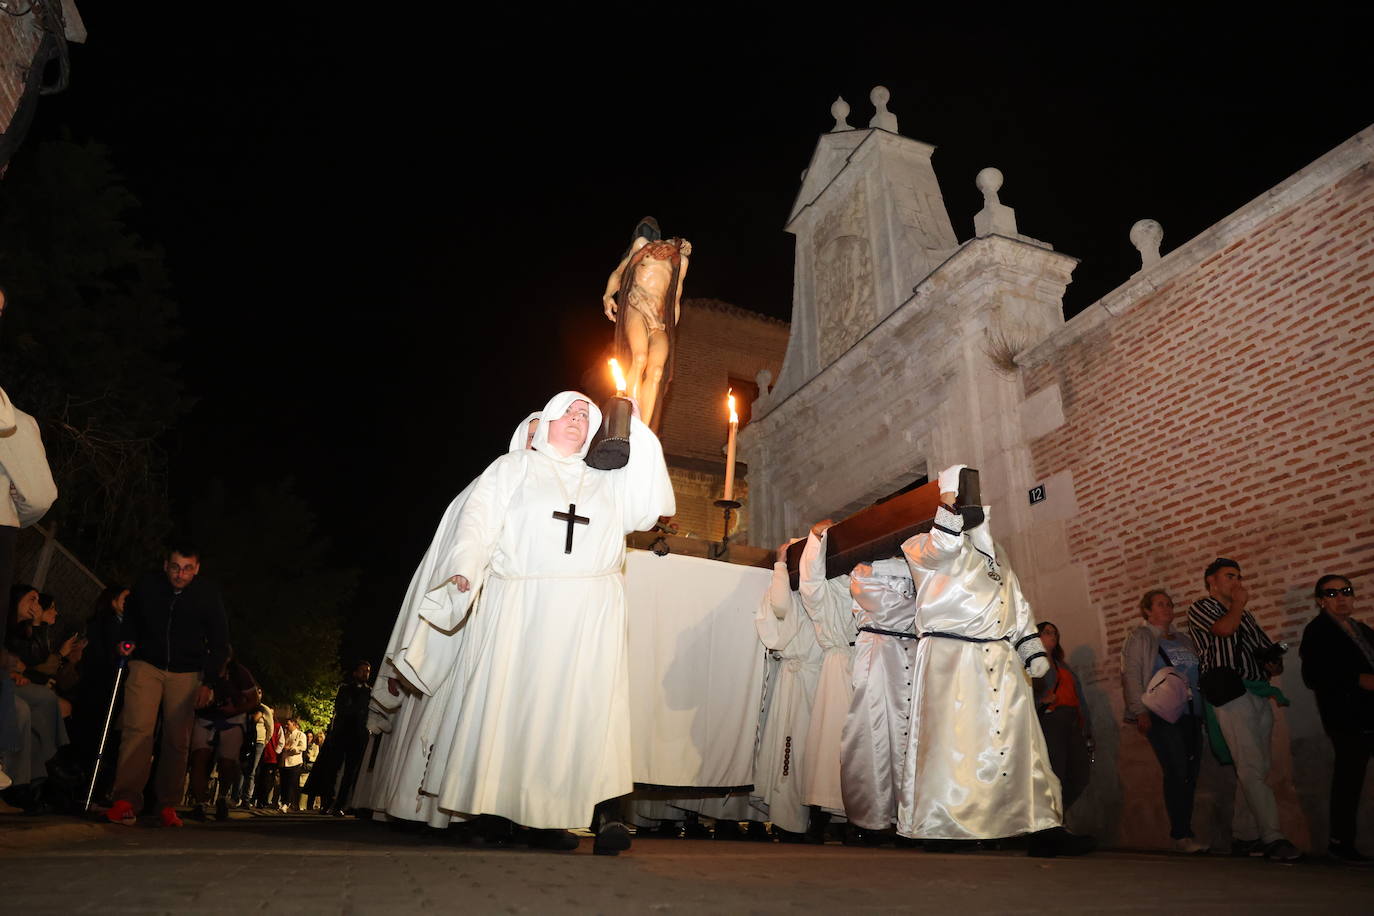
[[571, 516]]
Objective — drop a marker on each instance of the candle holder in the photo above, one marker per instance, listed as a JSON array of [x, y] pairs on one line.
[[728, 506], [610, 448]]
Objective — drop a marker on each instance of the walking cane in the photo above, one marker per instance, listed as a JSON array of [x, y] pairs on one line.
[[109, 715]]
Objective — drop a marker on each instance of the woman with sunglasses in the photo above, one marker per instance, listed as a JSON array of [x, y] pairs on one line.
[[1338, 664]]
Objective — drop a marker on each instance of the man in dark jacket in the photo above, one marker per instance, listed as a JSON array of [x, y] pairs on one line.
[[1338, 664], [180, 642]]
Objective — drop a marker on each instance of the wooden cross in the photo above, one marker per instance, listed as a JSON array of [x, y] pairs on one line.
[[572, 518]]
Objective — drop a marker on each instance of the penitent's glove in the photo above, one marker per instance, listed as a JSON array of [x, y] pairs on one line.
[[1032, 652], [949, 478]]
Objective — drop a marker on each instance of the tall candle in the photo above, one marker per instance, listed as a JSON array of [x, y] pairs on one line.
[[730, 448]]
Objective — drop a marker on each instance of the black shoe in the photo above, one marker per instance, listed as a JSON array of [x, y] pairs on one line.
[[1252, 848], [758, 833], [728, 830], [1282, 851], [199, 812], [612, 839], [552, 840], [1347, 854], [663, 830], [222, 809], [696, 830], [1057, 841], [787, 836], [493, 832]]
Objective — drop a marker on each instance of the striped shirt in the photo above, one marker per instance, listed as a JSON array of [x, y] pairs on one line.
[[1235, 651]]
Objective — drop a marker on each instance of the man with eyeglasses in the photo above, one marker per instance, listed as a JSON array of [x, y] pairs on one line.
[[1236, 661], [1338, 664], [177, 633]]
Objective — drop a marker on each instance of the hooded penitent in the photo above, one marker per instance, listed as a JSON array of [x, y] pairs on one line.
[[976, 765], [873, 742]]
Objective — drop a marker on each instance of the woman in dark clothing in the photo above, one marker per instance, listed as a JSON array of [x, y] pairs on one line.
[[98, 667], [1338, 664], [344, 743], [1064, 719]]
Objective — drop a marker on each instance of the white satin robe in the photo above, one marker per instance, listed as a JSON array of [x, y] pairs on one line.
[[873, 743], [976, 764], [779, 768], [827, 603], [542, 722]]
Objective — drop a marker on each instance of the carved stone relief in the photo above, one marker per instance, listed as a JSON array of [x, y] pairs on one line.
[[844, 278]]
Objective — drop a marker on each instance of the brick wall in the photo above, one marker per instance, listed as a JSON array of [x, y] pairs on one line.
[[1221, 403], [1229, 413], [19, 39], [715, 342]]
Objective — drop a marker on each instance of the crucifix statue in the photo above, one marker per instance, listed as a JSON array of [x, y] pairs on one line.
[[644, 298], [572, 518]]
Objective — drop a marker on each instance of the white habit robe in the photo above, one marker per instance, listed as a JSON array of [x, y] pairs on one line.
[[543, 718], [873, 744], [424, 659], [827, 603], [779, 769], [976, 764]]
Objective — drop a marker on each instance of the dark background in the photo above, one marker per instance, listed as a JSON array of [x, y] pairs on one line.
[[388, 227]]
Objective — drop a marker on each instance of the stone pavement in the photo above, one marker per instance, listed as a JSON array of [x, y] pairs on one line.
[[310, 864]]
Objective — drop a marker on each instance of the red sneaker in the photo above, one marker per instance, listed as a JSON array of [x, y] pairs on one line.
[[169, 817], [122, 812]]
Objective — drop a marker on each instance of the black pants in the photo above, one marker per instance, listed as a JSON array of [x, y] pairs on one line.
[[1347, 780], [8, 536], [1178, 748], [1068, 751], [267, 782], [291, 786], [353, 764]]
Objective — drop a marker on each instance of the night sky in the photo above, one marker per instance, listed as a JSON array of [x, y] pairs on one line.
[[388, 232]]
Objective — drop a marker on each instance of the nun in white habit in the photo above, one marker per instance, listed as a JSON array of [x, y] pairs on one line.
[[976, 764], [543, 719], [416, 679]]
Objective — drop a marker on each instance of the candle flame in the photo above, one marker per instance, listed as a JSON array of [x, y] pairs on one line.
[[730, 398], [617, 375]]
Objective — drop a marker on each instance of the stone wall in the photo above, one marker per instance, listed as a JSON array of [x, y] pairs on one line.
[[19, 40], [1221, 403], [715, 343]]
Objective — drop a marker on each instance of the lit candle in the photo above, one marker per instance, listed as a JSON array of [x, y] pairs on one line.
[[618, 376], [730, 448]]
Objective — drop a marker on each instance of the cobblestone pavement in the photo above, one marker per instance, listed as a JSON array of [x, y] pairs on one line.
[[281, 866]]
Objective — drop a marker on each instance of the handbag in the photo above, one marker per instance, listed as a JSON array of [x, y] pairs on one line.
[[1167, 695]]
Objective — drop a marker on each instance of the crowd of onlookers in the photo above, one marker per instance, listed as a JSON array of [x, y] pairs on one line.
[[1206, 687], [136, 672], [144, 700]]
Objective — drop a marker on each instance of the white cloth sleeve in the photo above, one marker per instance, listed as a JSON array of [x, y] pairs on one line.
[[777, 622], [1025, 639], [937, 548], [479, 527], [24, 461], [646, 490]]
